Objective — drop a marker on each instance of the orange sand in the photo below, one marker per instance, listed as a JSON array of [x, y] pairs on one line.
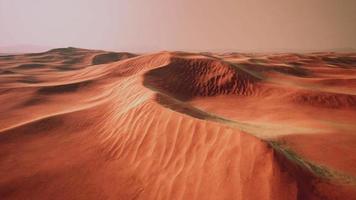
[[85, 124]]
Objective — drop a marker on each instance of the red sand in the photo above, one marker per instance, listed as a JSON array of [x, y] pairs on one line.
[[176, 125]]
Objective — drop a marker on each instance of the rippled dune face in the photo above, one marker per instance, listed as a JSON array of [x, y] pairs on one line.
[[85, 124]]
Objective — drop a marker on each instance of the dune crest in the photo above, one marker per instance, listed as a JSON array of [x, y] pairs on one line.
[[87, 124]]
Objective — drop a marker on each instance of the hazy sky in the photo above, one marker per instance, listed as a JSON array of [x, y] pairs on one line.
[[193, 25]]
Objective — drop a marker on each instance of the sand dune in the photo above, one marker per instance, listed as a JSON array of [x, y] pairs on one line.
[[87, 124]]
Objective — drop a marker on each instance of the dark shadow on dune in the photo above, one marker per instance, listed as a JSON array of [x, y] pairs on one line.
[[293, 70], [7, 57], [186, 79], [110, 57], [36, 54], [33, 101], [45, 59], [29, 79], [65, 68], [341, 61], [66, 51], [67, 88], [30, 66], [326, 100], [74, 60], [60, 51], [7, 72], [295, 64], [37, 128]]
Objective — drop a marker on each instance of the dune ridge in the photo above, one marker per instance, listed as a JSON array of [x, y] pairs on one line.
[[89, 124]]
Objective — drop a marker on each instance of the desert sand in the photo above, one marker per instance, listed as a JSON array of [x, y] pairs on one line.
[[87, 124]]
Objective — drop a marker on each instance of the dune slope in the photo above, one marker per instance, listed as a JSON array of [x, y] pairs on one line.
[[85, 124]]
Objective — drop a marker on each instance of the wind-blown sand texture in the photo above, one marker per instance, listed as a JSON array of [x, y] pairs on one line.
[[85, 124]]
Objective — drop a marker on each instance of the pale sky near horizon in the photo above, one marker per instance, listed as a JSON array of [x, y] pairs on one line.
[[191, 25]]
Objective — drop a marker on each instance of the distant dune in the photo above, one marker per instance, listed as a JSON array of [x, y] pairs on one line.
[[91, 124]]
